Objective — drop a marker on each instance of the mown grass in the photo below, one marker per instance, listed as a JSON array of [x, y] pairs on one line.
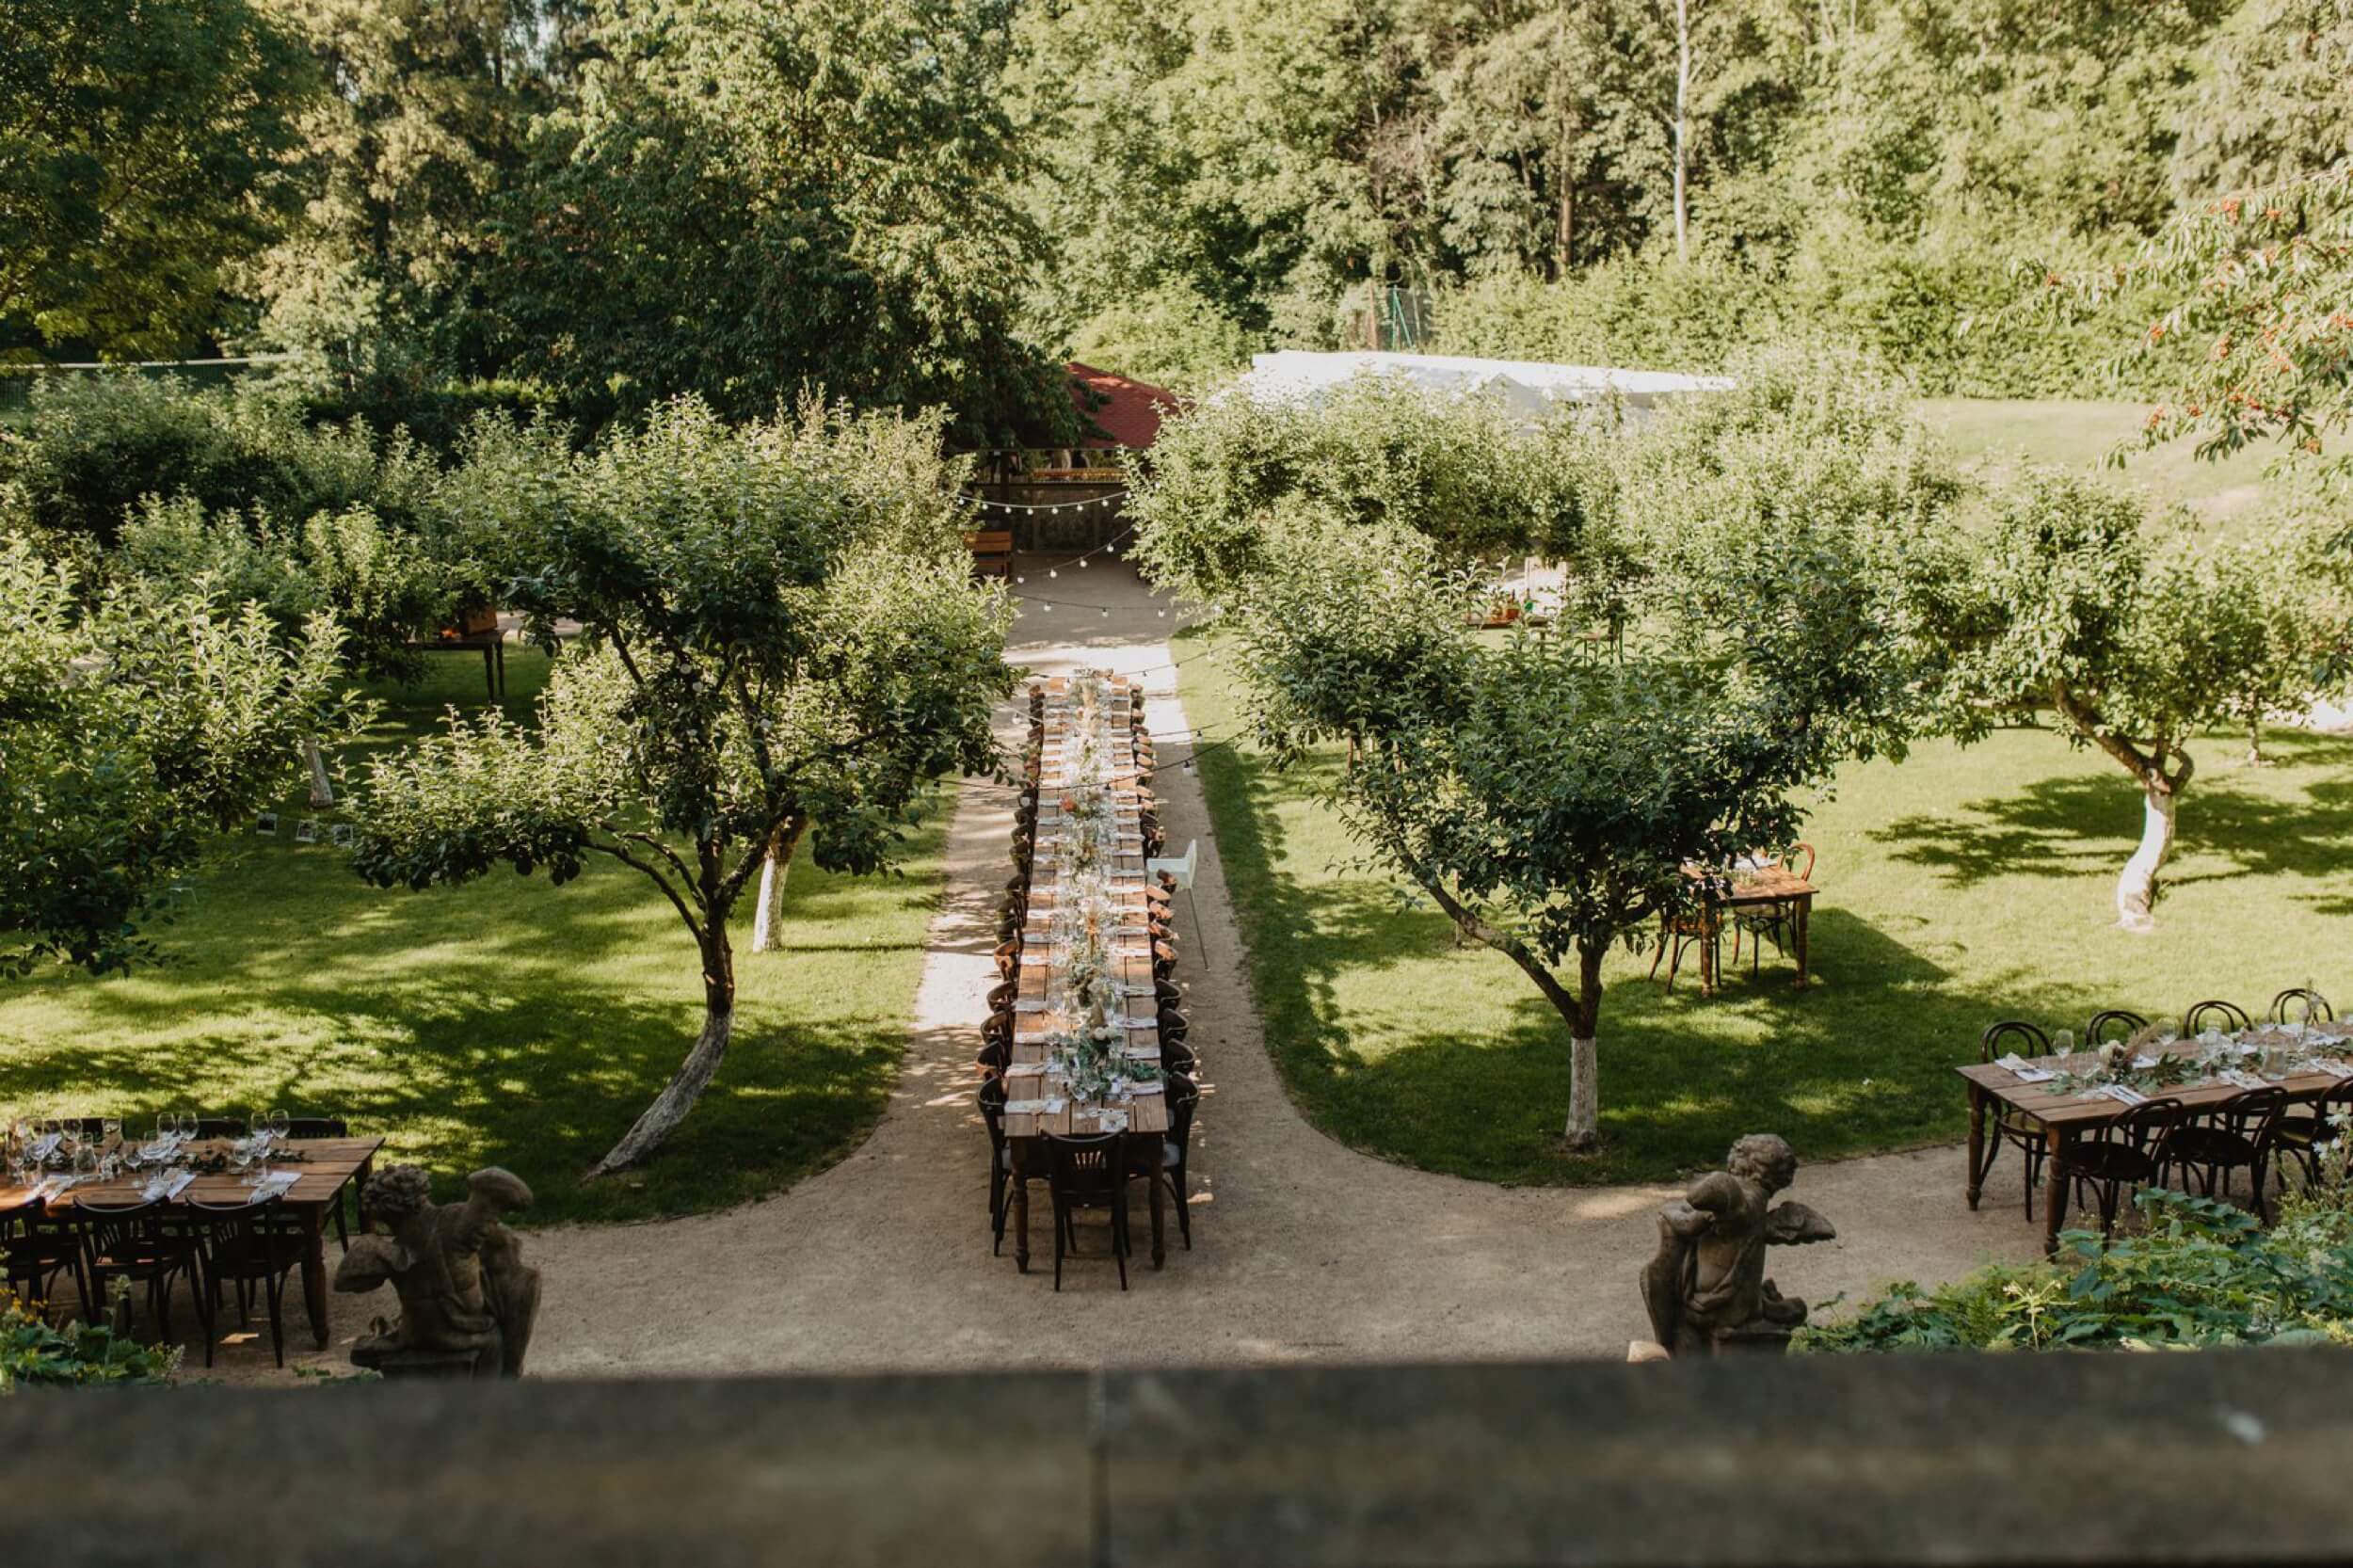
[[1958, 887], [1996, 436], [505, 1022]]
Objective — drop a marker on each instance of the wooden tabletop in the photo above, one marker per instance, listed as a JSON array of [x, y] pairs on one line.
[[1766, 884], [1043, 973], [2053, 1106], [326, 1165]]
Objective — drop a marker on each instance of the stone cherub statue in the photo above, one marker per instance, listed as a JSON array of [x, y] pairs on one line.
[[1706, 1290], [467, 1300]]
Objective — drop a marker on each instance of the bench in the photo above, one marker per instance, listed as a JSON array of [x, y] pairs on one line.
[[992, 550]]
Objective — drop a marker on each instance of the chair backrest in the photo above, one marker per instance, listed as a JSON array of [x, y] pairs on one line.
[[2253, 1113], [992, 1103], [221, 1126], [1800, 860], [1087, 1168], [2215, 1013], [1184, 1099], [2298, 1005], [2113, 1023], [256, 1228], [317, 1127], [116, 1229], [2146, 1126], [2012, 1035]]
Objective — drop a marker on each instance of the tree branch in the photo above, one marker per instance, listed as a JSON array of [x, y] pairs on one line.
[[677, 899]]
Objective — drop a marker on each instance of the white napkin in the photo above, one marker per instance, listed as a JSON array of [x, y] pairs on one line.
[[2243, 1079], [2018, 1069], [1111, 1121], [2331, 1067], [274, 1184], [165, 1184], [1029, 1004], [2121, 1094], [1025, 1108], [1141, 1089]]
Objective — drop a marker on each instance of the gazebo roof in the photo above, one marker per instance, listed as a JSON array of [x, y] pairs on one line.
[[1130, 418]]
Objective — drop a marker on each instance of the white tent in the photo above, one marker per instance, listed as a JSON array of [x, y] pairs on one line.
[[1531, 386]]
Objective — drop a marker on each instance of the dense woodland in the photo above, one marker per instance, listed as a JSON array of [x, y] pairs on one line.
[[594, 203]]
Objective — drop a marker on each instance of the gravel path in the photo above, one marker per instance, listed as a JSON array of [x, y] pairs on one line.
[[1303, 1248]]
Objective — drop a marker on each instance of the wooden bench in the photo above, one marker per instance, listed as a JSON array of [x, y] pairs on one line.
[[992, 550]]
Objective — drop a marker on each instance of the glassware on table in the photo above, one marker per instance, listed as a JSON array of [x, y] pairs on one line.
[[2063, 1044], [110, 1129], [279, 1123]]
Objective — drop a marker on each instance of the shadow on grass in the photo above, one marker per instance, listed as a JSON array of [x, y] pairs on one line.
[[2084, 823]]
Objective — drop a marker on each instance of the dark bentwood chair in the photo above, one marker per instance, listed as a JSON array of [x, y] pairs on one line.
[[1184, 1099], [1774, 919], [2237, 1134], [2215, 1014], [2009, 1125], [37, 1246], [1088, 1173], [148, 1244], [256, 1247], [2309, 1007], [2127, 1153], [2110, 1025], [2303, 1133]]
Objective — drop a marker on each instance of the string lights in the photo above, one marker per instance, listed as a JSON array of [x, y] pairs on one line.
[[1026, 507]]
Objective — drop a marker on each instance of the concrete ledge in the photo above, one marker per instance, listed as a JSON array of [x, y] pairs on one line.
[[2213, 1458]]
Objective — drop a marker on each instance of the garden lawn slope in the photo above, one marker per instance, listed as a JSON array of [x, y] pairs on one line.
[[508, 1022]]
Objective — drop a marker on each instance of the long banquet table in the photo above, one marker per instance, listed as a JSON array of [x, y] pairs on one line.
[[326, 1166], [1069, 772], [2066, 1113]]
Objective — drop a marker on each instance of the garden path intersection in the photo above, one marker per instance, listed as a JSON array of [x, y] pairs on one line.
[[1303, 1248]]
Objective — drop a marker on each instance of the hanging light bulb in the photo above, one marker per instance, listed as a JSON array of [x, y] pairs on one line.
[[1053, 571]]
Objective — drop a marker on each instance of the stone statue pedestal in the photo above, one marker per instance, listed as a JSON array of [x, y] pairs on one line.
[[394, 1364]]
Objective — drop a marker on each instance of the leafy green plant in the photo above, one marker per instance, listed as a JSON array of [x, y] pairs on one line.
[[2200, 1272], [36, 1354]]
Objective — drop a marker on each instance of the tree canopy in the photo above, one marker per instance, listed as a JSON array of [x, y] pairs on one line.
[[779, 630]]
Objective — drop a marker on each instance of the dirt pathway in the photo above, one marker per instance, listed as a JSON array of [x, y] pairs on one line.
[[1303, 1248]]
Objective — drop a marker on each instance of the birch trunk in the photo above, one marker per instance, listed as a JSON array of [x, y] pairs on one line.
[[694, 1074], [777, 865], [322, 786], [1683, 100], [2137, 890]]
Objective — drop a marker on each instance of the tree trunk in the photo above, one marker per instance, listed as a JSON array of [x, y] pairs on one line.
[[1584, 1127], [2255, 745], [1683, 127], [321, 788], [773, 869], [2137, 890], [694, 1075]]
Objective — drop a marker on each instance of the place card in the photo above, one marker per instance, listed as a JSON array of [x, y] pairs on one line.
[[1027, 1108], [165, 1185], [2241, 1078], [2121, 1094], [2329, 1064]]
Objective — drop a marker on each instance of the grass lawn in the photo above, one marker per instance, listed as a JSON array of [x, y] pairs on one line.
[[1997, 433], [1959, 887], [507, 1022]]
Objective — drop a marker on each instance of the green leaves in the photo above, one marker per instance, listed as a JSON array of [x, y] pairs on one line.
[[129, 730]]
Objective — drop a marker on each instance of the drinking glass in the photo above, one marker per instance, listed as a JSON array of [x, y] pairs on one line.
[[162, 1126], [2063, 1044], [279, 1123], [110, 1129]]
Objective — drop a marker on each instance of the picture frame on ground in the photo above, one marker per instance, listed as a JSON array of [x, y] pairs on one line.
[[342, 835], [266, 825], [307, 831]]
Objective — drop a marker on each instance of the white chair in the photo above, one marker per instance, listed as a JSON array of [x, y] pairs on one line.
[[1181, 873]]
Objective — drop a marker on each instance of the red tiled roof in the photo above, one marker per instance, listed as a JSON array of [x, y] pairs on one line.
[[1131, 418]]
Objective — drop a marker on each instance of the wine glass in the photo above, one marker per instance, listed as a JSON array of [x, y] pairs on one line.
[[2063, 1044], [279, 1123]]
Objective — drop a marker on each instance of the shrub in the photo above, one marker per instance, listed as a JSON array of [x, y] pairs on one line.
[[35, 1354], [2201, 1273]]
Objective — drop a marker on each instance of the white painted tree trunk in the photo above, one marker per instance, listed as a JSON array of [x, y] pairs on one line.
[[768, 918], [1584, 1128], [2137, 890], [322, 786], [678, 1097]]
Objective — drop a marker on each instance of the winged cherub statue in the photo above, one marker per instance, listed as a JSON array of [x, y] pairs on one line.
[[1706, 1290], [467, 1300]]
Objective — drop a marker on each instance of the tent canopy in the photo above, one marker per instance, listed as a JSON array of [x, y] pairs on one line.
[[1531, 387]]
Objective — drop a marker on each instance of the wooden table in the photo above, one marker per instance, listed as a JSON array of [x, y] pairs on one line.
[[1033, 1025], [490, 645], [328, 1166], [1760, 888], [2066, 1117]]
